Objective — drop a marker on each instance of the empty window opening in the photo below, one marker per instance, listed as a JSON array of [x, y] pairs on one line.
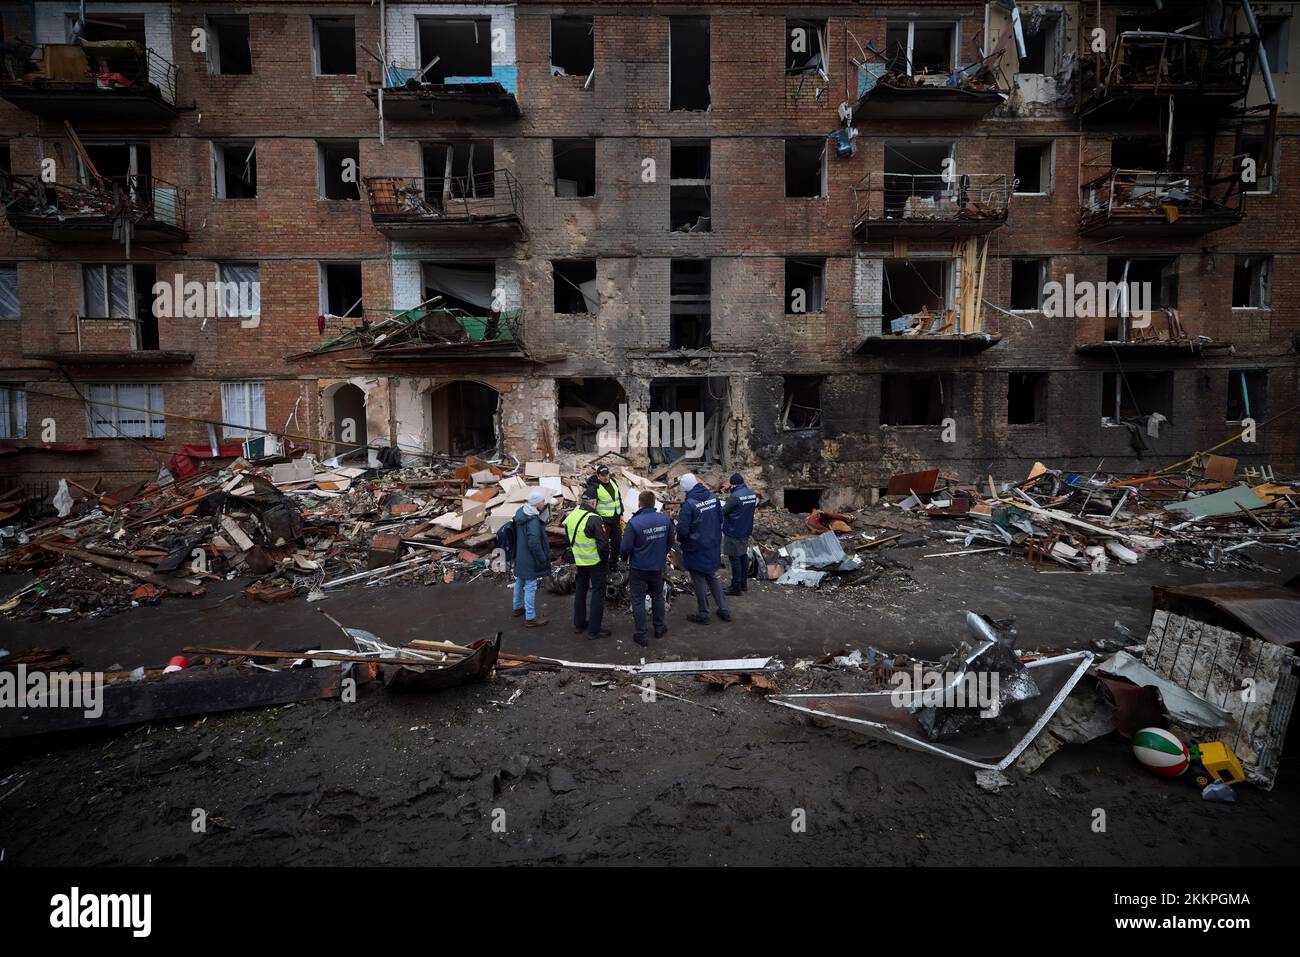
[[124, 27], [234, 170], [6, 161], [575, 167], [128, 165], [805, 167], [13, 411], [1250, 282], [690, 208], [1133, 395], [1254, 146], [458, 171], [463, 419], [9, 291], [688, 417], [581, 402], [1247, 394], [573, 46], [1134, 288], [124, 292], [575, 286], [348, 405], [914, 177], [229, 49], [914, 48], [801, 404], [341, 289], [334, 46], [144, 331], [1033, 167], [466, 286], [805, 47], [338, 166], [916, 295], [689, 292], [688, 59], [802, 501], [1275, 37], [1026, 398], [1028, 276], [1042, 36], [1148, 153], [915, 398], [805, 286], [455, 47]]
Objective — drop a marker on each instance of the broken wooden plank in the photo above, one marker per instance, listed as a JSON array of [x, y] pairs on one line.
[[140, 572]]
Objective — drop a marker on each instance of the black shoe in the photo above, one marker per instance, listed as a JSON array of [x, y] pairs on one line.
[[724, 615], [579, 629], [640, 640], [699, 617], [603, 633], [660, 634], [733, 591]]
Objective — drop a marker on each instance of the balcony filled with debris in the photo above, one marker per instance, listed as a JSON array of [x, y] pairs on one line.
[[118, 79], [918, 76], [1129, 202], [889, 205], [481, 206], [141, 207]]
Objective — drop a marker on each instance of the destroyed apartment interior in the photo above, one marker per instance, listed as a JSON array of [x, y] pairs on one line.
[[708, 433]]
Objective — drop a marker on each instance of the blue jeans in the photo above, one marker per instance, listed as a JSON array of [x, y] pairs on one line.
[[526, 597], [738, 576]]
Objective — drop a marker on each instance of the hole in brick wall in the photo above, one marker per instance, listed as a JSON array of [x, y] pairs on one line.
[[802, 501], [1033, 167], [234, 172], [462, 46], [1130, 395], [687, 416], [575, 286], [463, 418], [466, 286], [575, 167], [689, 294], [1250, 282], [229, 52], [458, 170], [335, 46], [1027, 279], [341, 289], [914, 287], [1026, 398], [805, 167], [1247, 394], [688, 52], [805, 286], [573, 46], [801, 403], [915, 398], [339, 168], [581, 402]]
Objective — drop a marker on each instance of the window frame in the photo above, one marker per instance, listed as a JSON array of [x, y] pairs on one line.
[[316, 21], [230, 428], [154, 426]]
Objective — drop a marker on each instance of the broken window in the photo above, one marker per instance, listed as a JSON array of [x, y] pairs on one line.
[[13, 411], [1033, 167], [575, 286], [334, 46], [340, 289], [1247, 394], [337, 168], [463, 419], [1042, 35], [802, 501], [915, 398], [573, 46], [805, 286], [575, 167], [581, 402], [128, 165], [689, 294], [1134, 289], [801, 406], [106, 291], [455, 47], [1254, 147], [458, 170], [689, 203], [243, 409], [916, 295], [144, 330], [913, 47], [687, 418], [805, 47], [8, 290], [688, 63], [121, 27], [241, 295], [1028, 276], [1148, 153], [1026, 398], [234, 170], [1275, 38], [1131, 395], [229, 50], [1250, 282], [914, 183], [805, 167], [126, 409], [6, 161], [467, 286]]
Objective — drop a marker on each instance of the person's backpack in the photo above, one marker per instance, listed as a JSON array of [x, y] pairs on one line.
[[506, 540]]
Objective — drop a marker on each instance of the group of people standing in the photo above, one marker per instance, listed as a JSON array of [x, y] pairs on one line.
[[706, 529]]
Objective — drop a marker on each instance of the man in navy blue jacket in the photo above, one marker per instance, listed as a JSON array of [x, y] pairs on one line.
[[737, 526], [699, 529], [646, 542]]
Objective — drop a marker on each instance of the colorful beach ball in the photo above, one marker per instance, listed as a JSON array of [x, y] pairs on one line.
[[1160, 752]]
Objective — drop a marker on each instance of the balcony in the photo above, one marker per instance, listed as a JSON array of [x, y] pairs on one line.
[[968, 93], [1144, 68], [482, 207], [59, 213], [1126, 202], [431, 334], [119, 81], [112, 342], [407, 96], [922, 206]]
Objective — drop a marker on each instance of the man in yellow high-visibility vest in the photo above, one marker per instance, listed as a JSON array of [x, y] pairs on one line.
[[609, 505], [589, 542]]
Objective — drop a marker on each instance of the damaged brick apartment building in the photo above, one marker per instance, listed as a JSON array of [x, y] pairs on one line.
[[829, 228]]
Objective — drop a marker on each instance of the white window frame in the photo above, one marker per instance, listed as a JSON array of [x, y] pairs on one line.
[[224, 277], [114, 423], [7, 270], [13, 410], [954, 43], [247, 419], [1047, 166], [219, 167], [106, 307], [315, 45]]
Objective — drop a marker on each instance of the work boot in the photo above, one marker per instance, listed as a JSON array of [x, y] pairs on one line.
[[537, 622], [733, 591], [579, 629], [660, 634], [724, 615], [518, 612], [699, 617], [603, 633], [640, 640]]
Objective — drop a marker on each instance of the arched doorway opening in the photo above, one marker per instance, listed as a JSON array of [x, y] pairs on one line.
[[348, 411], [463, 419]]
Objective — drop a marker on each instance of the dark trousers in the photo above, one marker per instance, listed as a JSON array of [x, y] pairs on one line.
[[611, 529], [706, 583], [593, 577], [639, 584], [738, 569]]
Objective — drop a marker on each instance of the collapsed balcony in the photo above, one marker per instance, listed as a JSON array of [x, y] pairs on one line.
[[905, 86], [1143, 68], [1126, 202], [409, 94], [119, 80], [924, 206], [153, 208], [478, 206]]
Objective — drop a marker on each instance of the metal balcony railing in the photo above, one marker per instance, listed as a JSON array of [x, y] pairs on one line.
[[144, 199], [920, 198], [492, 195], [1160, 64], [110, 65], [1131, 195]]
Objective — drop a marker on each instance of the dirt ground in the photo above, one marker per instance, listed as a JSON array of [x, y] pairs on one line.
[[578, 769]]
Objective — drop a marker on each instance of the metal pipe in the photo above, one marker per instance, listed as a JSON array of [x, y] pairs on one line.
[[1264, 71]]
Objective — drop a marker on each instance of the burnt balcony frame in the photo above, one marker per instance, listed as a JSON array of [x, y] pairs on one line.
[[894, 205], [136, 83], [482, 206], [76, 213], [1127, 202], [406, 95]]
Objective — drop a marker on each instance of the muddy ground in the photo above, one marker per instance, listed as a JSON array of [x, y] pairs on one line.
[[577, 770]]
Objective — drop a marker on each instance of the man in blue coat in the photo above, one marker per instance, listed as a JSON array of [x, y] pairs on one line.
[[699, 529], [737, 526], [532, 556], [646, 542]]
